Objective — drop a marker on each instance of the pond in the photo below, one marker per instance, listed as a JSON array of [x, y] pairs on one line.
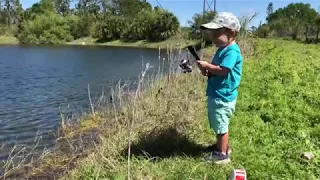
[[39, 82]]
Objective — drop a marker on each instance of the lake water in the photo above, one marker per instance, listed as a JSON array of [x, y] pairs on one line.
[[38, 82]]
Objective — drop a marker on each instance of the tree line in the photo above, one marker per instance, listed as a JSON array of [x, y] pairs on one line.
[[298, 21], [54, 21]]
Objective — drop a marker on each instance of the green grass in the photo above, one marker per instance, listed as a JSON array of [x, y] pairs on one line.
[[8, 40], [277, 119]]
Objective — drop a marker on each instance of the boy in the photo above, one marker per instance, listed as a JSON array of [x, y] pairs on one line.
[[224, 75]]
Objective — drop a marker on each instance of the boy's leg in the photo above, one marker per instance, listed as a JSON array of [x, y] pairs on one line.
[[222, 142], [219, 114]]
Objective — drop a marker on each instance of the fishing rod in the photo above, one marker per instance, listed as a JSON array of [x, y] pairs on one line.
[[185, 64]]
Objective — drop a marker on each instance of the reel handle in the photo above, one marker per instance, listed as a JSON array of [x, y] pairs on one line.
[[193, 52]]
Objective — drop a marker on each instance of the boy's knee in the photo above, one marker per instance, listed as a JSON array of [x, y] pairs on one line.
[[219, 122], [220, 128]]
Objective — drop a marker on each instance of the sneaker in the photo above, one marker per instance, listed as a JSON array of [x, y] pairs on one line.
[[214, 148], [217, 158]]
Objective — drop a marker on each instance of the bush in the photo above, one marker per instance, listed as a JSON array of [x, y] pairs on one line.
[[8, 31], [48, 28], [138, 28], [162, 26], [74, 23], [154, 25], [111, 28]]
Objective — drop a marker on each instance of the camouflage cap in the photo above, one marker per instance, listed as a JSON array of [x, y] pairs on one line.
[[223, 19]]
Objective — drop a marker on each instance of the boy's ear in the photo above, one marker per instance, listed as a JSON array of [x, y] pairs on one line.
[[234, 33]]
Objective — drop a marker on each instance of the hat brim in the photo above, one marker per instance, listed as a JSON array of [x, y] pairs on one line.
[[210, 25]]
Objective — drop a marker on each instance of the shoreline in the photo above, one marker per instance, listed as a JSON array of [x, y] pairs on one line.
[[90, 42]]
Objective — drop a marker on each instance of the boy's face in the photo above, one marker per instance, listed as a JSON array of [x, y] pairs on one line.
[[218, 37]]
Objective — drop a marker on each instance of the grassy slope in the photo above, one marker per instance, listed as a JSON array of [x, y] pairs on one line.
[[277, 118]]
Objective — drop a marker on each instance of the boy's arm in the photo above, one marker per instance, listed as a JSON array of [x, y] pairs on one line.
[[228, 62], [218, 70]]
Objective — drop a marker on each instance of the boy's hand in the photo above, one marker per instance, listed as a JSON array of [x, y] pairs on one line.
[[202, 64], [202, 67]]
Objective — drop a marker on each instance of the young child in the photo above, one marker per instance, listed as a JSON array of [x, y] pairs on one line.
[[224, 75]]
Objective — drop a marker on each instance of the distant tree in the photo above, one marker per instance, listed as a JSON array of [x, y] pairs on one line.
[[196, 22], [47, 6], [263, 30], [131, 8], [62, 6], [111, 28], [54, 21], [162, 26], [253, 28], [149, 24], [8, 9], [297, 15], [269, 9], [44, 6], [19, 16], [281, 27], [31, 12], [138, 28], [76, 28]]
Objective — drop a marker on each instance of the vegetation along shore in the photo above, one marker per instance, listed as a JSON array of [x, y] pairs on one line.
[[162, 132]]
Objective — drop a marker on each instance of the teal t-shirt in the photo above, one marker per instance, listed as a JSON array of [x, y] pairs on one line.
[[225, 87]]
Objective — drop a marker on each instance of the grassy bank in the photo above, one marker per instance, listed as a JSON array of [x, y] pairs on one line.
[[277, 119], [8, 40], [175, 41]]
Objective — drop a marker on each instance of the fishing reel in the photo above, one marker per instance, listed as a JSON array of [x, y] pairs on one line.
[[186, 64]]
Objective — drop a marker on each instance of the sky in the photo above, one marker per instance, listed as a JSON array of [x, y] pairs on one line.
[[185, 9]]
